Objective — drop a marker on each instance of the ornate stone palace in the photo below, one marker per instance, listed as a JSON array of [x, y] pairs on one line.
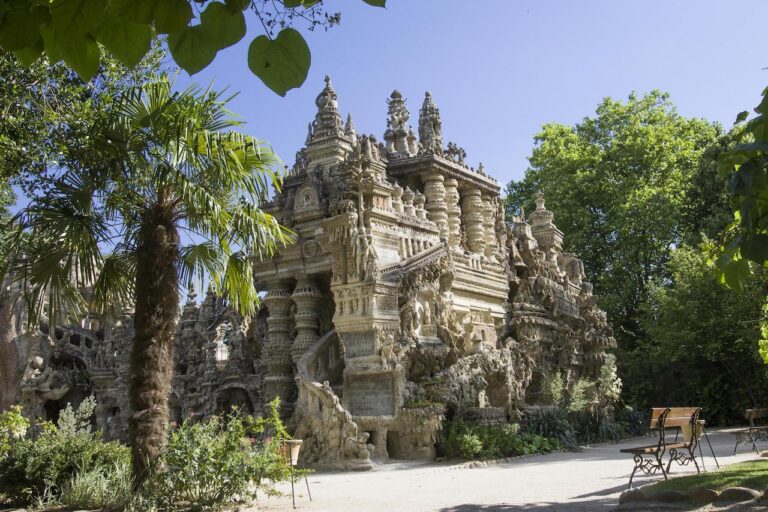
[[405, 298]]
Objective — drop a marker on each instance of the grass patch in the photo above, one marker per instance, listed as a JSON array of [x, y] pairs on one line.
[[753, 474]]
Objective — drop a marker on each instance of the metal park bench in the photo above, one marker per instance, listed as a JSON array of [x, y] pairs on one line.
[[757, 429], [649, 458]]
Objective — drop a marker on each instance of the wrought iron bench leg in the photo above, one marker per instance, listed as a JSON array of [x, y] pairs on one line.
[[711, 450], [693, 457], [638, 464]]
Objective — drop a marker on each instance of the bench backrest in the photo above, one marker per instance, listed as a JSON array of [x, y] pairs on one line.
[[657, 416], [753, 414], [681, 416]]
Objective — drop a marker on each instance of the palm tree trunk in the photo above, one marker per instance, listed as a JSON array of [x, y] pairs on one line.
[[151, 360], [9, 358]]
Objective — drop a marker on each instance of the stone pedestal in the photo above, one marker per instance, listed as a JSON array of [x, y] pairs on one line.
[[472, 212]]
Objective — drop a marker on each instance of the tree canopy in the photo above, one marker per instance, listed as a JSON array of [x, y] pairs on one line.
[[72, 31], [618, 184]]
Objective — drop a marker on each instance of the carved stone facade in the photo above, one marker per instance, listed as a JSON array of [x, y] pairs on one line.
[[405, 297]]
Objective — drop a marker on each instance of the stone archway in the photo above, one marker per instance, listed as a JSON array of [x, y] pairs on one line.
[[234, 398]]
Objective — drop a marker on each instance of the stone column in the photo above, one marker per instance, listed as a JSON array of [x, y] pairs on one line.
[[307, 297], [489, 226], [434, 190], [472, 215], [278, 380], [453, 211]]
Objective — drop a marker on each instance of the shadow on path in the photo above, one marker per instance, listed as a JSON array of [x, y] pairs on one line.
[[580, 506]]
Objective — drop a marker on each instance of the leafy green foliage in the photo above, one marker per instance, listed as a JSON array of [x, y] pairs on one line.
[[71, 30], [281, 63], [216, 178], [209, 463], [40, 466], [107, 487], [572, 428], [52, 120], [700, 346], [465, 440], [13, 425], [745, 239], [617, 183]]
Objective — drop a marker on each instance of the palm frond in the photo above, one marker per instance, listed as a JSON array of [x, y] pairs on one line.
[[198, 260], [115, 284]]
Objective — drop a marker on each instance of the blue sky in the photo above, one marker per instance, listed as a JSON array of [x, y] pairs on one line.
[[500, 69]]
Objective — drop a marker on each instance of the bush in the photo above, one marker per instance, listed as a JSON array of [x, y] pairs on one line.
[[470, 441], [552, 423], [633, 422], [108, 488], [594, 426], [35, 468], [217, 462], [12, 426]]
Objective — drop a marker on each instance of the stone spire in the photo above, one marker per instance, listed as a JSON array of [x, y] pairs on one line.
[[543, 226], [327, 120], [349, 127], [396, 136], [430, 126]]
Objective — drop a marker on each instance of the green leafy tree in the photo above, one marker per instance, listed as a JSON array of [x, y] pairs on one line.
[[700, 345], [51, 121], [180, 201], [742, 247], [196, 30], [617, 183]]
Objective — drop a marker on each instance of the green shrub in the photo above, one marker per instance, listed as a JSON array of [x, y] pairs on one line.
[[552, 422], [633, 422], [470, 446], [108, 488], [39, 467], [471, 441], [12, 426], [594, 426], [217, 462]]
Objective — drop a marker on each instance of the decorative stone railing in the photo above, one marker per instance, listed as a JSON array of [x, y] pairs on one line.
[[418, 260], [327, 428]]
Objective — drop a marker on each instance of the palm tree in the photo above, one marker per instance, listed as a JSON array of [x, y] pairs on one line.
[[180, 203]]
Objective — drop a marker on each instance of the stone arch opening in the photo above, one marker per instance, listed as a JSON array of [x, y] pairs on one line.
[[235, 398]]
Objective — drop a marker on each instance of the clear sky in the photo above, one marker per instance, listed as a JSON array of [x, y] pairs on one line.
[[499, 69]]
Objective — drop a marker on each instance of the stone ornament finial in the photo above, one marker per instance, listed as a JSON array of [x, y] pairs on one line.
[[327, 121], [430, 126]]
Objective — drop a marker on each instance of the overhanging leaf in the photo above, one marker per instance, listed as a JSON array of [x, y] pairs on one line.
[[74, 18], [192, 49], [755, 248], [128, 41], [19, 29], [172, 16], [282, 63], [29, 55], [376, 3], [224, 26], [736, 272], [82, 55]]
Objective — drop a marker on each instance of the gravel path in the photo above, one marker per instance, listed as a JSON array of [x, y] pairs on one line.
[[591, 480]]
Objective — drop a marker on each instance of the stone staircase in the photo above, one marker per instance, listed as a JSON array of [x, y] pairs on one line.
[[329, 433]]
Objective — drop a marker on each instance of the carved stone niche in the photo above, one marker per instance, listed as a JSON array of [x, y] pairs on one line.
[[307, 203]]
